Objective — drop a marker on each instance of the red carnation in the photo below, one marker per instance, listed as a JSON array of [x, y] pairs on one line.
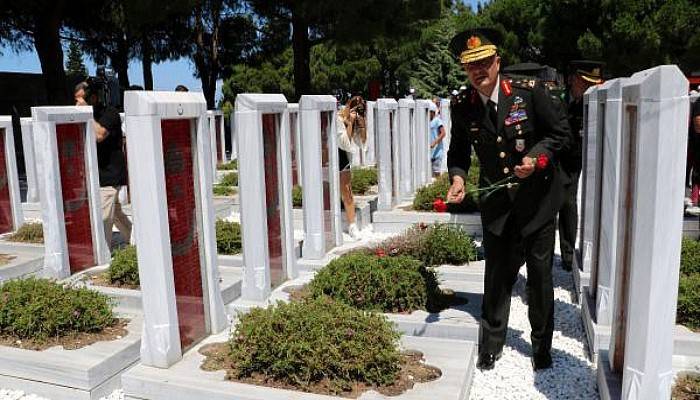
[[380, 252], [439, 205], [542, 161]]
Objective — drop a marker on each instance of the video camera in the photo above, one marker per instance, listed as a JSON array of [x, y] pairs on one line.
[[105, 85]]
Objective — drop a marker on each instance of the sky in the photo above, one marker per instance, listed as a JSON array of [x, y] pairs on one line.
[[166, 75]]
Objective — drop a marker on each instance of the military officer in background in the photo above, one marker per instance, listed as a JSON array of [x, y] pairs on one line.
[[518, 135], [582, 75]]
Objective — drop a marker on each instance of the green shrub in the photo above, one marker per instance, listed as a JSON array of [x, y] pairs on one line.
[[690, 256], [297, 196], [229, 166], [374, 283], [224, 190], [228, 237], [31, 232], [230, 179], [688, 313], [426, 195], [124, 269], [39, 309], [363, 179], [306, 342], [434, 245]]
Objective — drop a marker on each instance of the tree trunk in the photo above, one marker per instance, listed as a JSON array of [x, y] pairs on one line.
[[120, 63], [48, 47], [147, 63], [302, 55]]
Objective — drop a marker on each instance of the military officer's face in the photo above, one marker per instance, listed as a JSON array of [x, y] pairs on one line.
[[483, 74]]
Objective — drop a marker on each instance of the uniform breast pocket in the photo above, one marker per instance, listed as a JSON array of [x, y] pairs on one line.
[[521, 135]]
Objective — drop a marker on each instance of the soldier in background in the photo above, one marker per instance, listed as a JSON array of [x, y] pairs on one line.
[[518, 133], [583, 74]]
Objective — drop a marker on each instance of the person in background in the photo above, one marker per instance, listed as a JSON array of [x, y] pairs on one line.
[[110, 157], [694, 157], [583, 74], [181, 88], [350, 130], [437, 134]]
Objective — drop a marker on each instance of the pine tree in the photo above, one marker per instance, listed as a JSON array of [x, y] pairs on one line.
[[434, 72], [75, 68]]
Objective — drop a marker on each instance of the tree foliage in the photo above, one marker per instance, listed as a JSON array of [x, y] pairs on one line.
[[75, 67]]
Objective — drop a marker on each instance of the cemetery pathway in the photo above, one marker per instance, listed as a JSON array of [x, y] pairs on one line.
[[573, 375]]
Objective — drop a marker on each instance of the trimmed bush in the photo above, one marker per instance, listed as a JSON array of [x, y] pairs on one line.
[[375, 283], [31, 232], [228, 237], [434, 245], [124, 269], [297, 196], [39, 309], [311, 341], [223, 190], [426, 195], [688, 312], [690, 256], [363, 179], [229, 166], [230, 179]]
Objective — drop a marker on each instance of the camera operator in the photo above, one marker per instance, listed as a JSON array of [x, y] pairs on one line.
[[110, 157], [350, 130]]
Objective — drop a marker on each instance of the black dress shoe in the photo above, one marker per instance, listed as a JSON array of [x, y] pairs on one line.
[[541, 361], [486, 361]]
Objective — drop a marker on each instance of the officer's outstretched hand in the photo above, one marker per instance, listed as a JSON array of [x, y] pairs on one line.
[[456, 192], [526, 169]]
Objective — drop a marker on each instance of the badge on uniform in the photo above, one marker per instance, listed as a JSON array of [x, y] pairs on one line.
[[515, 117], [517, 100], [519, 145]]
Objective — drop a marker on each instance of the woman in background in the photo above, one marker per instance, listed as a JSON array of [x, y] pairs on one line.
[[351, 130]]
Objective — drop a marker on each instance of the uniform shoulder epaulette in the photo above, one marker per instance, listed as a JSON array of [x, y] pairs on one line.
[[527, 84]]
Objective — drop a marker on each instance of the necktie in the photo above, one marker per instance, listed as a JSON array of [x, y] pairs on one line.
[[491, 109]]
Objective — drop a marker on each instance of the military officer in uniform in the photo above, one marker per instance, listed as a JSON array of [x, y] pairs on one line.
[[518, 135], [583, 74]]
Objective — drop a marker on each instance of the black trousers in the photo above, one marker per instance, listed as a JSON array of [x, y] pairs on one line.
[[568, 224], [504, 256]]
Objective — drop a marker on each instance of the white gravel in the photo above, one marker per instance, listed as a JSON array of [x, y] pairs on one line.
[[572, 377]]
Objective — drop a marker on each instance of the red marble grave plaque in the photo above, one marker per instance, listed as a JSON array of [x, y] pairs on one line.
[[70, 140], [272, 198], [5, 203], [326, 176], [178, 156], [292, 146], [217, 140]]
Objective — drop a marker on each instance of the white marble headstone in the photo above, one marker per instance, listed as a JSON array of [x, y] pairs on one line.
[[446, 117], [655, 121], [387, 153], [406, 125], [65, 248], [264, 163], [370, 114], [590, 211], [321, 190], [29, 160], [421, 155], [169, 169], [14, 217]]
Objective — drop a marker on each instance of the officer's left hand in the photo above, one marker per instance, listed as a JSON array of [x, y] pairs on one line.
[[526, 169]]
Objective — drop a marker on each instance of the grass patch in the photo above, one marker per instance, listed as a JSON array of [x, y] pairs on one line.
[[318, 346], [228, 237], [39, 309], [31, 232], [229, 166], [124, 269], [434, 245], [220, 190], [426, 195], [687, 387], [230, 179], [363, 179], [297, 196]]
